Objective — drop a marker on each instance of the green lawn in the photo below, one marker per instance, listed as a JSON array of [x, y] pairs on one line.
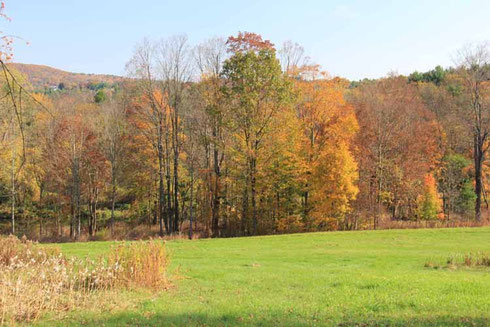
[[341, 278]]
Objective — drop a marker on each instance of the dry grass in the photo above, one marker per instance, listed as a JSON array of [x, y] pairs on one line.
[[141, 264], [34, 280], [122, 232], [469, 260], [14, 250], [400, 224]]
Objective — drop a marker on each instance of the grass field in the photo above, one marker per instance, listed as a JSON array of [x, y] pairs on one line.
[[340, 278]]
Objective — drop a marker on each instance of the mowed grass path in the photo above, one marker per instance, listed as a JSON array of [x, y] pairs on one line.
[[339, 278]]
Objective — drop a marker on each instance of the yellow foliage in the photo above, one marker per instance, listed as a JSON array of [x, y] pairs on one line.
[[329, 127]]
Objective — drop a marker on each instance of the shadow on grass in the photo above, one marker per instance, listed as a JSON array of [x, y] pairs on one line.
[[282, 319]]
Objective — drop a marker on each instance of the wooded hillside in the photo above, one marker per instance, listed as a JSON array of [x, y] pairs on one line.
[[44, 77]]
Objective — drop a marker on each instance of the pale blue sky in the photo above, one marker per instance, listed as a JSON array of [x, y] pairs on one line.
[[353, 39]]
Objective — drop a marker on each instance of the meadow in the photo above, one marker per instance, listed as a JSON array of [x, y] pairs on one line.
[[362, 278]]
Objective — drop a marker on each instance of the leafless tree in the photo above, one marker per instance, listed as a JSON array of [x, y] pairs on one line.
[[164, 69], [152, 112], [210, 56], [175, 72], [113, 131], [474, 67], [292, 56]]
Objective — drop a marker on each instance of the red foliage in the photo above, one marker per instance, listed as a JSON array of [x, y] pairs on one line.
[[247, 41]]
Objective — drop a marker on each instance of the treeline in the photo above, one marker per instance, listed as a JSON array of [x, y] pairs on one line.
[[233, 137]]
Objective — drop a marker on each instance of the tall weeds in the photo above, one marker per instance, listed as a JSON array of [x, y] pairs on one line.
[[468, 260], [35, 280], [141, 264]]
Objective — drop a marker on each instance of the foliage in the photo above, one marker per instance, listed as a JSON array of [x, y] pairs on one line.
[[466, 197], [455, 184], [329, 127], [100, 96], [398, 145], [257, 141], [429, 204], [435, 76], [257, 91]]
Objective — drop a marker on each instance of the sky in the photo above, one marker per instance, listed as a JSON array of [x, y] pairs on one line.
[[351, 39]]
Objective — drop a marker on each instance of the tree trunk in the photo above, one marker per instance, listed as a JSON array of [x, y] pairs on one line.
[[216, 196], [168, 215], [478, 157], [176, 166], [161, 195], [93, 211], [191, 204], [245, 204], [79, 218], [113, 197], [253, 194], [75, 212], [12, 176], [176, 192]]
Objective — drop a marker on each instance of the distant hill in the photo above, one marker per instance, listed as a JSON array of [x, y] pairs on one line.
[[45, 77]]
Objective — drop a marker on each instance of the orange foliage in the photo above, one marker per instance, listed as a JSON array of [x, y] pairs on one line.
[[329, 126], [246, 41]]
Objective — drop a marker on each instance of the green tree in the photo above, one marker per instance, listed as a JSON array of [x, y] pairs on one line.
[[454, 181], [466, 197], [100, 96], [257, 90], [435, 76]]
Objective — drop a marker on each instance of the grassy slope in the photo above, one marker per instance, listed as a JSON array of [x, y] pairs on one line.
[[373, 278]]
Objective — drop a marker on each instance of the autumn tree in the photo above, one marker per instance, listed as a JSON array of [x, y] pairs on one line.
[[16, 125], [429, 205], [329, 126], [397, 146], [257, 89]]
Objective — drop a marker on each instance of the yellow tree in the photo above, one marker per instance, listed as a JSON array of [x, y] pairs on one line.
[[329, 125], [429, 202], [15, 118]]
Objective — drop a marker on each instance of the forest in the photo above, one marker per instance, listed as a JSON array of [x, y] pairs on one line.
[[236, 137]]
